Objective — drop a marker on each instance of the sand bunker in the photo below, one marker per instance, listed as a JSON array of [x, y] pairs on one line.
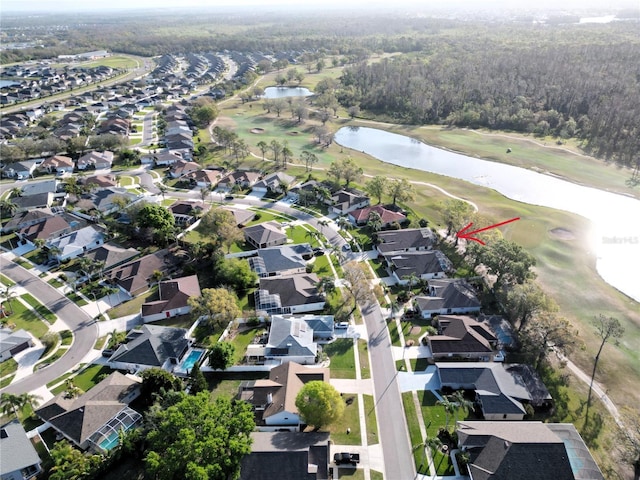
[[257, 130], [294, 133], [562, 234]]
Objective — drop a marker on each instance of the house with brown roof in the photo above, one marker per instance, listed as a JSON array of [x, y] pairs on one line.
[[26, 219], [182, 168], [134, 277], [447, 296], [289, 294], [241, 178], [207, 178], [274, 399], [49, 228], [242, 216], [462, 338], [97, 160], [267, 234], [361, 215], [102, 181], [174, 295], [525, 451], [111, 255], [90, 420], [57, 164]]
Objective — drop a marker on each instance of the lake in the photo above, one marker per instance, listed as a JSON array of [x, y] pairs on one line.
[[283, 92], [615, 235]]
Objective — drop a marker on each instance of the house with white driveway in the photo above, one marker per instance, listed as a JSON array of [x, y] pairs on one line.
[[447, 296]]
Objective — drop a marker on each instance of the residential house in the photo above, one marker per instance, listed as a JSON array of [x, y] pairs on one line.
[[48, 186], [274, 399], [207, 178], [242, 216], [101, 181], [49, 228], [20, 170], [173, 299], [97, 160], [182, 168], [447, 296], [501, 390], [57, 164], [287, 456], [525, 451], [12, 342], [90, 420], [185, 213], [407, 240], [151, 346], [241, 178], [277, 182], [263, 235], [111, 255], [161, 159], [27, 218], [387, 217], [424, 265], [76, 243], [108, 200], [502, 329], [347, 200], [134, 277], [282, 260], [30, 202], [289, 294], [19, 459], [461, 338]]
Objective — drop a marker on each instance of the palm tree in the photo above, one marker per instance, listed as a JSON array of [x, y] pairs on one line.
[[460, 402], [8, 207], [163, 190], [262, 145], [322, 224], [374, 222], [413, 279], [10, 403], [312, 235], [30, 399], [449, 409], [8, 294], [343, 223]]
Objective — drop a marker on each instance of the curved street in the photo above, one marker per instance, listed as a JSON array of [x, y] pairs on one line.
[[85, 330]]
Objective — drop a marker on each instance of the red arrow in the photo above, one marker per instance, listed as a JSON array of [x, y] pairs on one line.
[[467, 235]]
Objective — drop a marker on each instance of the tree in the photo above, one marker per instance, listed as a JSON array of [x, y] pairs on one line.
[[400, 190], [460, 402], [237, 273], [547, 333], [7, 295], [204, 115], [156, 381], [456, 214], [220, 225], [345, 169], [287, 153], [221, 355], [7, 208], [218, 305], [262, 145], [506, 260], [70, 463], [163, 190], [195, 439], [157, 219], [607, 328], [449, 409], [10, 403], [377, 186], [357, 284], [319, 404], [276, 148], [524, 301], [197, 382], [374, 221], [353, 111]]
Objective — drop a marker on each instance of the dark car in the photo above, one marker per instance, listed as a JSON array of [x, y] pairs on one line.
[[342, 458], [228, 197], [318, 252]]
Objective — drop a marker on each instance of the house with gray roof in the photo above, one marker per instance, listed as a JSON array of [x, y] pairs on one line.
[[47, 186], [291, 340], [151, 346], [242, 216], [274, 399], [112, 255], [273, 182], [76, 243], [525, 451], [30, 202], [287, 456], [501, 390], [462, 338], [134, 277], [424, 265], [174, 299], [20, 170], [97, 160], [406, 240], [50, 227], [267, 234], [27, 218], [282, 260], [18, 458], [447, 296], [347, 200], [289, 294], [12, 342], [88, 420]]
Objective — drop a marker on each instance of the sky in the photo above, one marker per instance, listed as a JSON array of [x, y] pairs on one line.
[[80, 5]]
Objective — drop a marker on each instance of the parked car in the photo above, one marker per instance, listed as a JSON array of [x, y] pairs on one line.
[[344, 457], [342, 325], [228, 197]]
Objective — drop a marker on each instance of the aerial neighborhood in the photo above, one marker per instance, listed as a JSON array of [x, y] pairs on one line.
[[197, 281]]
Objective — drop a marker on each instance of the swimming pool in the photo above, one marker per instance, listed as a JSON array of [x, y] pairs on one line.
[[190, 360]]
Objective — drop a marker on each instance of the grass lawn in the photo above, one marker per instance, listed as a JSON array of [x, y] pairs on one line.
[[393, 333], [321, 266], [180, 321], [370, 417], [378, 268], [342, 360], [434, 415], [6, 281], [54, 282], [61, 378], [375, 475], [38, 307], [115, 61], [101, 342], [241, 340], [363, 356], [56, 355], [351, 473], [78, 300], [23, 317], [134, 305], [414, 429], [227, 388], [351, 420], [67, 337], [8, 366], [23, 263], [91, 376], [6, 381], [299, 234]]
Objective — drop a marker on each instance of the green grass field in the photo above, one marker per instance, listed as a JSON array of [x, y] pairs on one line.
[[23, 317], [343, 363], [38, 307], [350, 420]]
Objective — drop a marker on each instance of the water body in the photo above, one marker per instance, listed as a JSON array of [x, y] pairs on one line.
[[615, 235], [283, 92]]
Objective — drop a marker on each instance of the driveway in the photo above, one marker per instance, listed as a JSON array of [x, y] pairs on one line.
[[85, 331]]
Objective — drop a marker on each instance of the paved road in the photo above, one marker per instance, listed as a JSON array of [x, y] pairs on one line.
[[84, 330], [392, 424]]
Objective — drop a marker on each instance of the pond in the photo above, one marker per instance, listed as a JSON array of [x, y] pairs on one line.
[[616, 218], [283, 92]]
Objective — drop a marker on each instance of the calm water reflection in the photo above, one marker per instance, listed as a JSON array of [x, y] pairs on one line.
[[283, 92]]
